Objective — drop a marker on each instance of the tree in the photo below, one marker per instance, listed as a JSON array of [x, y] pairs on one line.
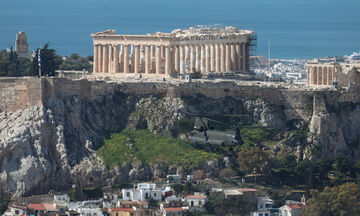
[[343, 200], [4, 200], [50, 62], [76, 62], [254, 160], [227, 173], [13, 66]]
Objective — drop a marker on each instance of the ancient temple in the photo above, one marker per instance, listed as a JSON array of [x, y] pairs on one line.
[[182, 51]]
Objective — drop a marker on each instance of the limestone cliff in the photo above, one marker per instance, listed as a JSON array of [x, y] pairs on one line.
[[51, 144]]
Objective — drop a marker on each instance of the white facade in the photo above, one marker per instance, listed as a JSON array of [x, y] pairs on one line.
[[265, 203], [90, 212], [264, 207], [143, 192], [62, 198], [15, 210]]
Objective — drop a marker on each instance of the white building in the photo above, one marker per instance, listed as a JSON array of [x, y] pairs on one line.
[[61, 198], [110, 200], [90, 212], [15, 210], [196, 201], [143, 192], [292, 208], [265, 208]]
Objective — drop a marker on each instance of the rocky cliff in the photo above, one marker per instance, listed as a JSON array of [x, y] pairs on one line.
[[51, 143]]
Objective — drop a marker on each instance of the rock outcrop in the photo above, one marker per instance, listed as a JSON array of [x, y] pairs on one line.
[[52, 144]]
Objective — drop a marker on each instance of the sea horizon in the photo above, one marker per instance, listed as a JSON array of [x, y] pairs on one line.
[[297, 30]]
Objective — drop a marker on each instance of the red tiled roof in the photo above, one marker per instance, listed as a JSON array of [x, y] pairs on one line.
[[296, 206], [42, 207], [175, 209], [122, 209], [196, 197]]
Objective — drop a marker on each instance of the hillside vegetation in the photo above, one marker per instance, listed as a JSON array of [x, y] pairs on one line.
[[129, 146]]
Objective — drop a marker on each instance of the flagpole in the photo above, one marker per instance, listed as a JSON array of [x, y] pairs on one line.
[[39, 60]]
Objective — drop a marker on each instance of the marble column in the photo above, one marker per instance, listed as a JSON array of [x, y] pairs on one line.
[[247, 56], [100, 58], [233, 57], [95, 65], [167, 60], [158, 59], [153, 58], [126, 58], [182, 64], [207, 58], [116, 58], [243, 57], [319, 73], [202, 62], [110, 63], [329, 76], [121, 57], [227, 58], [137, 59], [147, 59], [162, 52], [186, 60], [238, 57], [192, 58], [176, 59], [217, 57], [197, 57], [132, 60], [308, 75], [222, 57], [212, 57], [314, 77], [324, 76], [142, 59], [105, 63]]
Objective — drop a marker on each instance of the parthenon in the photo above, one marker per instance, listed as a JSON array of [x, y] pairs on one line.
[[182, 51]]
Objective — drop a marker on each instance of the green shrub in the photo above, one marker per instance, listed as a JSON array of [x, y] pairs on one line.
[[129, 146]]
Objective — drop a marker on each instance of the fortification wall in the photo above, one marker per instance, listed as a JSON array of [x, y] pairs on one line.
[[19, 93]]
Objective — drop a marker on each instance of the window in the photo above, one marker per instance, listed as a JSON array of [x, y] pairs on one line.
[[260, 214], [154, 194], [127, 194], [200, 202], [16, 211], [261, 206], [117, 214], [192, 203], [266, 214]]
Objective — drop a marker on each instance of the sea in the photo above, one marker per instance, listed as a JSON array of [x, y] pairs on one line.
[[294, 29]]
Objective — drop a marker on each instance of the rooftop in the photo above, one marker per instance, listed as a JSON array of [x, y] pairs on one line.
[[175, 209], [296, 206], [42, 207], [196, 197], [122, 209]]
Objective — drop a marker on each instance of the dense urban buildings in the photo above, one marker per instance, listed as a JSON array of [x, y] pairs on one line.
[[206, 50]]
